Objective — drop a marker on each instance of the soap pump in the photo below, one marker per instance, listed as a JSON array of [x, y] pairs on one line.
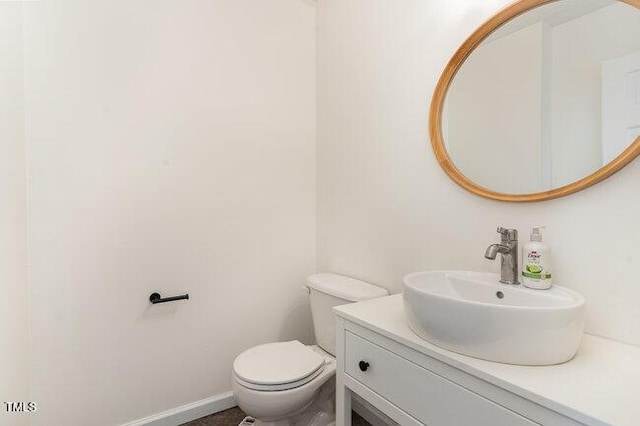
[[536, 262]]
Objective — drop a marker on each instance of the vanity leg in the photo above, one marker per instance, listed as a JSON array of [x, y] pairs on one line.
[[343, 406], [343, 393]]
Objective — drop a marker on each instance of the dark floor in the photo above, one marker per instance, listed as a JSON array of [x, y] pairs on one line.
[[233, 416]]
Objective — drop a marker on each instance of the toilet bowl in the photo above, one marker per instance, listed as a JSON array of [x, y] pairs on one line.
[[289, 383], [285, 396]]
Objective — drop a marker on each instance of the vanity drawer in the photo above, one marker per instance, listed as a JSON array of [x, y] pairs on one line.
[[426, 396]]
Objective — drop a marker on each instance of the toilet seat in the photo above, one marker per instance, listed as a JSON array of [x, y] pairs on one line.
[[277, 366], [281, 386]]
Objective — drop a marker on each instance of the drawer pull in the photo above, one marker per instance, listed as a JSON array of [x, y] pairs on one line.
[[363, 365]]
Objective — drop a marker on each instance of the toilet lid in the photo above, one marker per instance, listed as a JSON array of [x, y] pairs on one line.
[[273, 365]]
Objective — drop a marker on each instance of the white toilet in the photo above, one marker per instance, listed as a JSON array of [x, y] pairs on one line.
[[288, 383]]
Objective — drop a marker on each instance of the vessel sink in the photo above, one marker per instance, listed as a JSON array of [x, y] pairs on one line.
[[472, 313]]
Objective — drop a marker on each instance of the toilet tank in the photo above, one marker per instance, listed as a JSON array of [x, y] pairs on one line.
[[328, 290]]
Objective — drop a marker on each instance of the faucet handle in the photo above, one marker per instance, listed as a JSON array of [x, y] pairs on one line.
[[508, 233]]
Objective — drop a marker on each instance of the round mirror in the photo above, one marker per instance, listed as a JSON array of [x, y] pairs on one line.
[[543, 100]]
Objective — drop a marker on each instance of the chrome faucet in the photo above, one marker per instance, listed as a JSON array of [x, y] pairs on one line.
[[508, 247]]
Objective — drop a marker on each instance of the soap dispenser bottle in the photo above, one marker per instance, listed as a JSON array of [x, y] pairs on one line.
[[536, 262]]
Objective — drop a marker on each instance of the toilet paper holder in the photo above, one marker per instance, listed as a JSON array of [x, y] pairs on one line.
[[156, 298]]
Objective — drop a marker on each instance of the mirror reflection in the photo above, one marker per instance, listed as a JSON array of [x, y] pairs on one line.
[[548, 98]]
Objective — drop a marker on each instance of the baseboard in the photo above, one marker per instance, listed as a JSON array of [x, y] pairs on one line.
[[369, 412], [188, 412], [224, 401]]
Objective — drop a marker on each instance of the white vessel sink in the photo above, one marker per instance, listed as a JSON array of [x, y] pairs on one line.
[[473, 314]]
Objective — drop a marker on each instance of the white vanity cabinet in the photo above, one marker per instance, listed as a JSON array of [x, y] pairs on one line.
[[419, 393], [416, 383]]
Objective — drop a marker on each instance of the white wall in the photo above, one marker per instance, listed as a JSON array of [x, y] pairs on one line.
[[171, 149], [13, 261], [385, 207]]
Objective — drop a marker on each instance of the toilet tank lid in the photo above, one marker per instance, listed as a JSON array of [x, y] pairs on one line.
[[346, 288]]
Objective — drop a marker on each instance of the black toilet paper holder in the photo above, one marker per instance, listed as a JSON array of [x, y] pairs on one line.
[[156, 298]]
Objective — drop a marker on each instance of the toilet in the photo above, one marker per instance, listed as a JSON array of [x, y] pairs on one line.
[[289, 383]]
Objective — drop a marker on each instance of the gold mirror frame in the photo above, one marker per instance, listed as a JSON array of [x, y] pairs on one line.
[[435, 128]]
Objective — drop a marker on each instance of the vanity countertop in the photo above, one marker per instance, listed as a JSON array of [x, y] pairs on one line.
[[600, 385]]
